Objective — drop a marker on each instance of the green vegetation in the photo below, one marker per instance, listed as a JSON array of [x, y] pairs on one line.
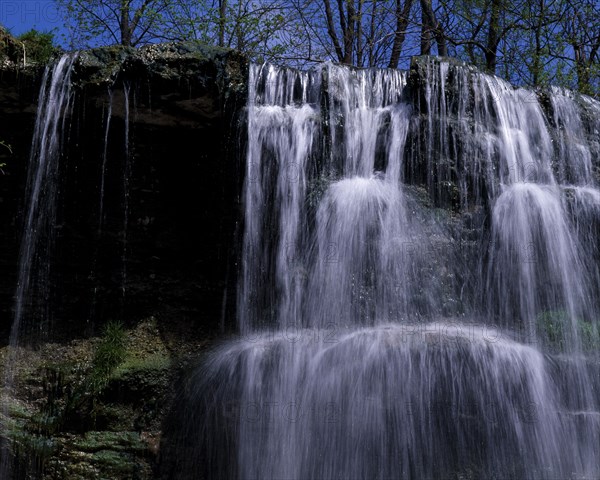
[[554, 327], [590, 336], [39, 46], [87, 409], [72, 390], [551, 325], [317, 188], [533, 44], [110, 353], [154, 362]]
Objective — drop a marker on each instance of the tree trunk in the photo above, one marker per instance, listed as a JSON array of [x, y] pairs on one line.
[[222, 19], [331, 31], [491, 50], [350, 33], [431, 27], [402, 14], [126, 34], [582, 69], [425, 31], [359, 35]]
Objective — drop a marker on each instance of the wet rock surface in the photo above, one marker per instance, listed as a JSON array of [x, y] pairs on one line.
[[148, 235], [149, 184]]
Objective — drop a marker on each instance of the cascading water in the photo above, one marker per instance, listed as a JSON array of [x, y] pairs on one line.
[[53, 104], [373, 346], [104, 160], [126, 180], [46, 278], [32, 296], [108, 116]]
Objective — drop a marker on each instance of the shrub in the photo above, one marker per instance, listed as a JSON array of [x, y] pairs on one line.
[[554, 327], [39, 46], [109, 354]]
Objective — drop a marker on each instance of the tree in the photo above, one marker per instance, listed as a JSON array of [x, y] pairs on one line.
[[125, 22], [39, 46], [535, 46], [582, 32], [347, 20], [431, 28], [531, 42], [363, 33], [402, 21], [253, 27], [479, 29]]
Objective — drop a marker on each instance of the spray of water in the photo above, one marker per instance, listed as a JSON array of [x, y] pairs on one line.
[[352, 363], [31, 299]]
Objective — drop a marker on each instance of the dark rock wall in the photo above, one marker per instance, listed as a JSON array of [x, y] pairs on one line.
[[153, 228], [18, 96], [170, 209], [171, 223]]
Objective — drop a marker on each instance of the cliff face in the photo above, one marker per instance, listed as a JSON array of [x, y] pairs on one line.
[[153, 147], [148, 216], [18, 93], [149, 224], [460, 112], [150, 180], [171, 189]]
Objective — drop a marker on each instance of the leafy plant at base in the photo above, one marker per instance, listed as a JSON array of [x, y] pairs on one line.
[[553, 326], [72, 396], [72, 392], [110, 353]]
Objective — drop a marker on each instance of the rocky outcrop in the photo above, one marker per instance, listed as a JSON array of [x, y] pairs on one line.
[[149, 225], [155, 139], [458, 113], [18, 94], [148, 214], [172, 199]]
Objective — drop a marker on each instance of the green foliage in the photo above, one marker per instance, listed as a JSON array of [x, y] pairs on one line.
[[590, 336], [74, 391], [129, 23], [31, 449], [39, 46], [76, 397], [110, 353], [554, 327], [551, 325], [529, 43], [317, 188], [150, 363]]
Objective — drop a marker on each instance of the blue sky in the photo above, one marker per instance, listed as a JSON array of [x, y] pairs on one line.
[[20, 16]]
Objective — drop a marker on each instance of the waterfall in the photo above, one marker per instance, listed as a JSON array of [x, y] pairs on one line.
[[32, 314], [104, 161], [397, 331], [419, 285], [282, 126], [42, 188], [94, 267], [126, 192]]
